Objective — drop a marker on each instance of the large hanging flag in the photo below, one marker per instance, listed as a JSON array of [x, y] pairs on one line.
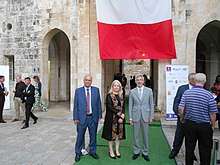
[[135, 29]]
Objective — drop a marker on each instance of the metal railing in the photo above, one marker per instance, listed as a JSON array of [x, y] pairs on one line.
[[214, 152]]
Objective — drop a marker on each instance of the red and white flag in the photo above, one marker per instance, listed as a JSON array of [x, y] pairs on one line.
[[135, 29]]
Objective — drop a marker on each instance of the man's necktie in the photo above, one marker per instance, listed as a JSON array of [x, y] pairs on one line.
[[88, 102], [26, 89], [140, 93], [3, 88]]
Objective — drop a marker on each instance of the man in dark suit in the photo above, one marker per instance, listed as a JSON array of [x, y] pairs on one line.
[[28, 98], [179, 134], [3, 93], [87, 112]]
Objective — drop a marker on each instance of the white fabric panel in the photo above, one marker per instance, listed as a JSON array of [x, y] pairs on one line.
[[133, 11]]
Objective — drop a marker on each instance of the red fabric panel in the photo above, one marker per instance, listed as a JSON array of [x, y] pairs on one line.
[[136, 41]]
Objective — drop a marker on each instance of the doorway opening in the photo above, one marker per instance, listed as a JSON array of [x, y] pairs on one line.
[[208, 52], [59, 68], [128, 67]]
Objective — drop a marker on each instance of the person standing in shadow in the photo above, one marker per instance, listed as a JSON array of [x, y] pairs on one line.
[[28, 98], [132, 83], [114, 125], [3, 93]]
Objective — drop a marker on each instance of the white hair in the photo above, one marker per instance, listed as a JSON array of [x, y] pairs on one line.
[[200, 78]]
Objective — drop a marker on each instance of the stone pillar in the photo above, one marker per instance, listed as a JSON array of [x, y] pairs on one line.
[[83, 53], [87, 58], [95, 61], [161, 96]]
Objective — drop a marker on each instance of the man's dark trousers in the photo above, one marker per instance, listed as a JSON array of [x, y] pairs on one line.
[[28, 113], [1, 109], [179, 136], [203, 133], [81, 129]]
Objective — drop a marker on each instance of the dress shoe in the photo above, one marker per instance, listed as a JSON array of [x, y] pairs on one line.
[[95, 156], [2, 121], [25, 126], [135, 156], [23, 121], [113, 157], [195, 158], [172, 155], [118, 156], [146, 157], [77, 158], [35, 121], [14, 120]]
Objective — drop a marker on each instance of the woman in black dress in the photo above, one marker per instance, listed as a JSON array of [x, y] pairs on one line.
[[114, 125]]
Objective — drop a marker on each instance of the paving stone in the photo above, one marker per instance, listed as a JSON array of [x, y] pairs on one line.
[[52, 140]]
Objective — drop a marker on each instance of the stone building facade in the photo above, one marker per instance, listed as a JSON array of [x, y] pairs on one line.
[[57, 40]]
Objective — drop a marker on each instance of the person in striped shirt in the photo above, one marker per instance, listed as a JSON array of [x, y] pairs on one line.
[[198, 110]]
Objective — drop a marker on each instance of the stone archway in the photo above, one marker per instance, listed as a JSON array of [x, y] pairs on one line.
[[56, 66], [59, 68], [208, 51]]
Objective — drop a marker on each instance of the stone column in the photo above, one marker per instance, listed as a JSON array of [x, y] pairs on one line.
[[161, 96]]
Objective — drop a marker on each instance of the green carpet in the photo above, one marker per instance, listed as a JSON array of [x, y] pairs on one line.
[[158, 150]]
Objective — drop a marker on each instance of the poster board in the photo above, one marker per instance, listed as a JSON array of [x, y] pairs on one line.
[[176, 75], [4, 70]]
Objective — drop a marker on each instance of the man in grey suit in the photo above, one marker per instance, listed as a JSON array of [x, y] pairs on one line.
[[141, 113]]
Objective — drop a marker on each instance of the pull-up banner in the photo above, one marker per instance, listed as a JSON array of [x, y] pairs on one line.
[[135, 29], [176, 75]]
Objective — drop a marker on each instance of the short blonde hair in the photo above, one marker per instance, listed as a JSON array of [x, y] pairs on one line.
[[120, 88]]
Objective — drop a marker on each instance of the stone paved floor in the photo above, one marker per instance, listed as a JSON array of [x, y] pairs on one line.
[[47, 142], [169, 128], [51, 141]]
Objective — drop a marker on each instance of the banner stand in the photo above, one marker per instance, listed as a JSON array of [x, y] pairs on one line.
[[176, 75]]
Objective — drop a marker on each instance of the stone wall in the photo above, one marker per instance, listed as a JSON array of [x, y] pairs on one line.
[[24, 27], [189, 17], [27, 27], [19, 34], [133, 67]]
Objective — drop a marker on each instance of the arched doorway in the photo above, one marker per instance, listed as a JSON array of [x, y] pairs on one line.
[[56, 66], [208, 51], [59, 68]]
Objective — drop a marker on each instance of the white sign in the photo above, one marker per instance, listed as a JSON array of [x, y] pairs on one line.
[[4, 70], [176, 75]]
